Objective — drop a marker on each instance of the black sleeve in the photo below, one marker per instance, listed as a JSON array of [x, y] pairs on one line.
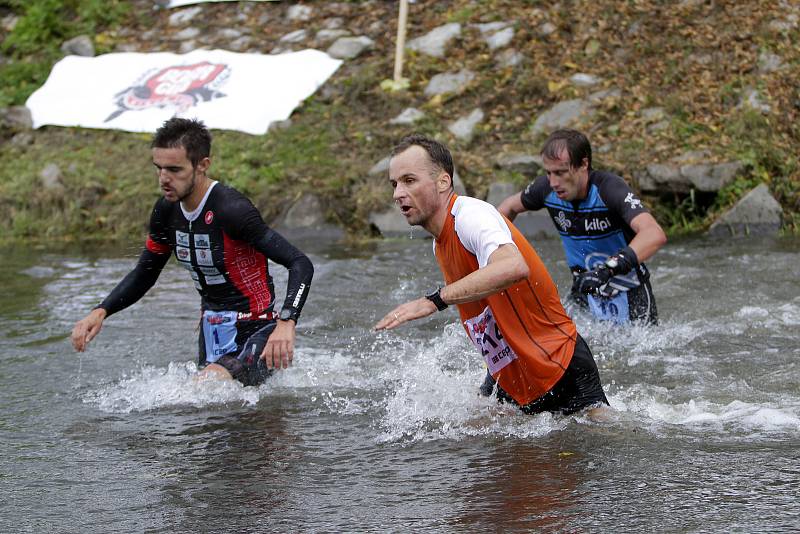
[[619, 197], [275, 247], [533, 196], [152, 260], [251, 228]]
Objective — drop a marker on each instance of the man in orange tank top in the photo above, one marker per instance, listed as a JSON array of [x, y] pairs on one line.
[[507, 301]]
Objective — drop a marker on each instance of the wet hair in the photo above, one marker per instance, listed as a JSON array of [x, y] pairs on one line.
[[191, 134], [575, 142], [438, 154]]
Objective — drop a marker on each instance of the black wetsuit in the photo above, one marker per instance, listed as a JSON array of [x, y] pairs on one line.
[[225, 245], [594, 228]]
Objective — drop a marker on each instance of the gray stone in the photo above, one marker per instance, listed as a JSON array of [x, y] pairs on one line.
[[326, 36], [769, 62], [499, 39], [605, 94], [652, 114], [307, 212], [509, 58], [186, 34], [547, 28], [757, 213], [380, 168], [464, 128], [299, 12], [187, 46], [435, 42], [390, 222], [9, 22], [683, 177], [499, 191], [242, 43], [562, 115], [179, 18], [126, 47], [51, 178], [408, 116], [333, 23], [753, 100], [657, 126], [81, 45], [22, 139], [449, 82], [530, 223], [275, 126], [458, 185], [350, 47], [296, 36], [526, 164], [229, 34], [17, 118], [581, 79], [492, 27]]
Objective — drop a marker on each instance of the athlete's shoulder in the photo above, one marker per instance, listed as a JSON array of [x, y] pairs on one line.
[[466, 205], [534, 195], [617, 193]]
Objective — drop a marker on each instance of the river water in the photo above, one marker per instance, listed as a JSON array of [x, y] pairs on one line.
[[385, 431]]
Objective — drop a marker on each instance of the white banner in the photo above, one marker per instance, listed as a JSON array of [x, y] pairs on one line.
[[179, 3], [138, 92]]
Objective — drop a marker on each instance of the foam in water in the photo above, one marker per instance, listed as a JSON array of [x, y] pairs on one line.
[[178, 385]]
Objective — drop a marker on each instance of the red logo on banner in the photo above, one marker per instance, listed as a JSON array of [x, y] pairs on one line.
[[179, 87], [209, 216]]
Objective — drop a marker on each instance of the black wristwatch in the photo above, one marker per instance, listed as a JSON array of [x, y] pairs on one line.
[[436, 298], [289, 313]]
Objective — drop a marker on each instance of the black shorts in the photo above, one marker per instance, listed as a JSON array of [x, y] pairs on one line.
[[641, 303], [577, 389], [246, 365]]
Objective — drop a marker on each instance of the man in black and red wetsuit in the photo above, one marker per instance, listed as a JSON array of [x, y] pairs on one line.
[[220, 238]]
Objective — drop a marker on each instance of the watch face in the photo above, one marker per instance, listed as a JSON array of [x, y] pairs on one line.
[[285, 314]]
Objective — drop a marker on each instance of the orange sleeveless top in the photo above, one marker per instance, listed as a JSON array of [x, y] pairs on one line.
[[529, 315]]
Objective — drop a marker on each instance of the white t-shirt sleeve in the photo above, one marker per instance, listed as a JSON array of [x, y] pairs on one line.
[[480, 228]]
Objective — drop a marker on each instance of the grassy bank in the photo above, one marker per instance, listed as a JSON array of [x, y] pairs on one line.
[[696, 61]]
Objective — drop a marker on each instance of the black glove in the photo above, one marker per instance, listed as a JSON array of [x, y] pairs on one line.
[[589, 282], [622, 262]]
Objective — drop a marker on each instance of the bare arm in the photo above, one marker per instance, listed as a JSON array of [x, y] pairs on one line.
[[512, 206], [649, 236], [505, 267]]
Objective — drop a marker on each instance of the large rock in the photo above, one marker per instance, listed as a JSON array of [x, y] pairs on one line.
[[449, 82], [307, 216], [81, 45], [299, 12], [757, 213], [179, 18], [297, 36], [464, 128], [499, 39], [525, 164], [390, 222], [16, 118], [350, 47], [686, 172], [562, 115], [187, 34], [530, 223], [328, 35], [408, 116], [435, 42]]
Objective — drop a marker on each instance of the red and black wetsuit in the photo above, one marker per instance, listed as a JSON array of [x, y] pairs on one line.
[[225, 245]]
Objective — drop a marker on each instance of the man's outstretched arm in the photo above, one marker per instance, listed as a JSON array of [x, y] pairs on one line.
[[505, 267]]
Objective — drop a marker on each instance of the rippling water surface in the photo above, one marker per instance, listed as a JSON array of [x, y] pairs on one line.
[[386, 431]]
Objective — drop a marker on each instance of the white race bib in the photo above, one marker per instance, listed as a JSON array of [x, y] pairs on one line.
[[486, 335]]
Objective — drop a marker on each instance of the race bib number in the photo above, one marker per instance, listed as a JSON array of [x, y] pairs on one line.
[[610, 309], [486, 335], [219, 333]]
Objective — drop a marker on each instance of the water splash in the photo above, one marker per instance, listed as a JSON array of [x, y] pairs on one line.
[[178, 385]]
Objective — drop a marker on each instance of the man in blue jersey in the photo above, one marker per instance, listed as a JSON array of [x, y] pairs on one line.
[[606, 231]]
